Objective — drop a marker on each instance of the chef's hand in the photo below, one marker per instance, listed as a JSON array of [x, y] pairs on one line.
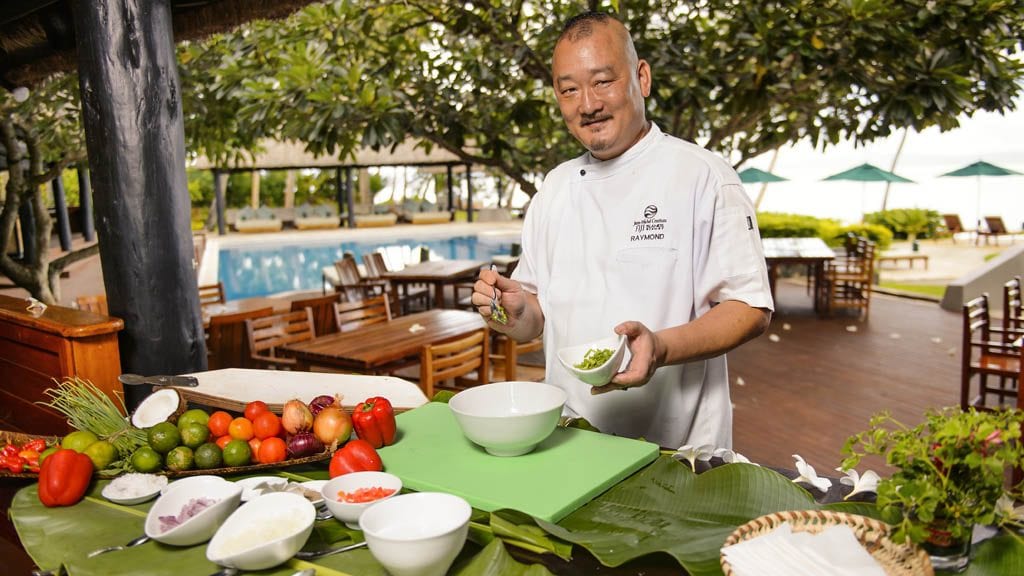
[[509, 294], [644, 347]]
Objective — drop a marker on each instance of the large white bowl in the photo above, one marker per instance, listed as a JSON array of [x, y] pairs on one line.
[[192, 482], [599, 375], [200, 527], [264, 532], [417, 534], [349, 512], [508, 418]]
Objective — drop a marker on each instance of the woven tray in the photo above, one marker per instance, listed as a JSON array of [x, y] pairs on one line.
[[248, 469], [20, 438], [895, 559]]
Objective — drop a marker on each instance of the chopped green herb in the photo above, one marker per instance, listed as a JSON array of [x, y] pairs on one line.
[[594, 358]]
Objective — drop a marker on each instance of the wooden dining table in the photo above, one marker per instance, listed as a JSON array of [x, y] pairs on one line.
[[439, 273], [281, 303], [378, 348], [810, 252]]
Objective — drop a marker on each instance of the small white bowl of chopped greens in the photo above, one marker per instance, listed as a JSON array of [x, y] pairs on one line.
[[594, 363]]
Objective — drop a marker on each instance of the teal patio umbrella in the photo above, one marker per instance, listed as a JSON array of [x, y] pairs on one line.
[[979, 169], [868, 173], [753, 175]]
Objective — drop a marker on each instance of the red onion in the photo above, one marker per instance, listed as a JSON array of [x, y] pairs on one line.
[[319, 403], [304, 444]]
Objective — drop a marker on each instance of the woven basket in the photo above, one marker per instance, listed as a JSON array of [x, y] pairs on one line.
[[895, 559], [20, 438]]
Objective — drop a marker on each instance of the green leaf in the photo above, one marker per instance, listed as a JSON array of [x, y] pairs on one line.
[[494, 560]]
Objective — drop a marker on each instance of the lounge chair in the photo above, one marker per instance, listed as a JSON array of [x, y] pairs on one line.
[[953, 225], [375, 220], [995, 229], [260, 220], [316, 217]]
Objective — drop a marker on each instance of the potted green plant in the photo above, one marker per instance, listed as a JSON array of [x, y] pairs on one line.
[[951, 474]]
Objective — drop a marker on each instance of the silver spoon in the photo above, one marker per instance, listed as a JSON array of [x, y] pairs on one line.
[[135, 542], [330, 552]]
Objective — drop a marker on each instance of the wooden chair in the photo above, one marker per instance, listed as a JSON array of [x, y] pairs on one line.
[[447, 365], [352, 315], [953, 225], [96, 303], [846, 282], [1013, 316], [995, 229], [227, 344], [325, 317], [988, 351], [352, 285], [402, 302], [267, 333], [505, 353], [211, 294]]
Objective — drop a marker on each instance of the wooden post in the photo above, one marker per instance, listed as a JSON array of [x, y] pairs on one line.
[[350, 197], [60, 206], [85, 204], [451, 192], [469, 194], [131, 111], [219, 179]]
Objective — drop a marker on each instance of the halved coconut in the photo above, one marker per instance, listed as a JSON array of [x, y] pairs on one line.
[[164, 404]]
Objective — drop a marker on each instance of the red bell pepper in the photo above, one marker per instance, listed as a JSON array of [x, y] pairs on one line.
[[374, 421], [355, 456], [64, 477]]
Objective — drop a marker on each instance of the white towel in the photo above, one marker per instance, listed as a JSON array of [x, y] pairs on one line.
[[835, 551]]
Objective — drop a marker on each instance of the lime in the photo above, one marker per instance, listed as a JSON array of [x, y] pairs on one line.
[[145, 460], [193, 416], [102, 453], [194, 435], [180, 459], [164, 437], [237, 453], [208, 456], [78, 440]]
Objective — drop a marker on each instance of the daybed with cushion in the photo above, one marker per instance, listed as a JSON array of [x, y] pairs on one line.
[[315, 217], [259, 220]]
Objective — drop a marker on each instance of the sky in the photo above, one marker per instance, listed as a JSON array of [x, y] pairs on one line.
[[994, 138]]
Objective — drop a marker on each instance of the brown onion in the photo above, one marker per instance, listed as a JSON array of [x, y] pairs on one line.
[[333, 425], [303, 444], [319, 403], [296, 417]]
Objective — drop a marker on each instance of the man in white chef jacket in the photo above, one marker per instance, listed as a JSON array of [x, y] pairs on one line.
[[645, 234]]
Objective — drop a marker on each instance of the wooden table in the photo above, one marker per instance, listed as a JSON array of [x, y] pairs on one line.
[[376, 348], [810, 252], [278, 303], [436, 272]]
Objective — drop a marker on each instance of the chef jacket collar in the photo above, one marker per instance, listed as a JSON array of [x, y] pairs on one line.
[[595, 168]]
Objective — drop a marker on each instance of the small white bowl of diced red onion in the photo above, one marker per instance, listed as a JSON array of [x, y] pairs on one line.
[[190, 513], [348, 495]]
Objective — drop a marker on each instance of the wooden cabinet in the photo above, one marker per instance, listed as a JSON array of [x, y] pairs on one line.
[[58, 343]]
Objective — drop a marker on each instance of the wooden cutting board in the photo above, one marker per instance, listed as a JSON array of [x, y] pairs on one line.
[[563, 473]]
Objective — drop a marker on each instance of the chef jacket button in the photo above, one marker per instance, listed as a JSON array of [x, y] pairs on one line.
[[583, 172]]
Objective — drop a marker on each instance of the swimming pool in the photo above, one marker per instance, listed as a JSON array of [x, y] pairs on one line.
[[262, 270]]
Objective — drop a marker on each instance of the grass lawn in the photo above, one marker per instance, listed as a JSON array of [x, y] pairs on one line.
[[936, 290]]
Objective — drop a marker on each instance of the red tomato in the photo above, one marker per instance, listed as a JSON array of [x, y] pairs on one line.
[[255, 408], [219, 422], [223, 441], [266, 425], [272, 450], [254, 446], [365, 494]]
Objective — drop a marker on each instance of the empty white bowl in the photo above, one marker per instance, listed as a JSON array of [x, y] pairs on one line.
[[201, 526], [264, 532], [417, 534], [349, 512], [508, 418], [599, 375]]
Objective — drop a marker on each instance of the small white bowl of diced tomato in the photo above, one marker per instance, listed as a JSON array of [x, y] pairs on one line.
[[348, 495]]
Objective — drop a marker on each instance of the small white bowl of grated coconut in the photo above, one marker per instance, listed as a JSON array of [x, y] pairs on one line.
[[133, 488]]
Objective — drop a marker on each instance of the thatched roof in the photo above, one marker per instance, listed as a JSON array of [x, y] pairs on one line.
[[37, 37]]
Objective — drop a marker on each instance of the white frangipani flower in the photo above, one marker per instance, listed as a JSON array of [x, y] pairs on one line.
[[774, 337], [807, 474], [866, 483], [728, 456], [692, 454]]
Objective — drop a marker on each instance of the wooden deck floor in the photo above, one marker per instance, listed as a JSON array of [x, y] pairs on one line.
[[821, 382]]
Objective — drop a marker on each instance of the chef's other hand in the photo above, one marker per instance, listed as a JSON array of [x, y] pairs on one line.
[[509, 294], [643, 345]]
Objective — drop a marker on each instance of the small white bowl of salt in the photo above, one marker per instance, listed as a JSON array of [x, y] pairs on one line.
[[133, 488]]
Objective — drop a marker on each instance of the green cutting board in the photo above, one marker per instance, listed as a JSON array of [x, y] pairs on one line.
[[564, 472]]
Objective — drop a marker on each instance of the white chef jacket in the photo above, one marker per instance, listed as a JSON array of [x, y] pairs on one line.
[[658, 235]]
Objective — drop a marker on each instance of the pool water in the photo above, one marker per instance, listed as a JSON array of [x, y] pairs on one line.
[[259, 271]]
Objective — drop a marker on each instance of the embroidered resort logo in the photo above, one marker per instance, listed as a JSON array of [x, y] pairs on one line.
[[649, 228]]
